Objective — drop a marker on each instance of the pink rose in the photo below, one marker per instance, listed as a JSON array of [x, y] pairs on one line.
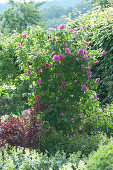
[[56, 26], [72, 119], [71, 30], [62, 113], [84, 26], [67, 50], [84, 88], [89, 74], [35, 57], [37, 97], [39, 68], [39, 81], [61, 56], [19, 44], [57, 98], [75, 81], [89, 67], [103, 53], [50, 29], [62, 26], [96, 62], [47, 65], [65, 44], [63, 84], [97, 80], [82, 65], [56, 58], [95, 96], [29, 71], [81, 52], [75, 34], [24, 35], [75, 29], [87, 43]]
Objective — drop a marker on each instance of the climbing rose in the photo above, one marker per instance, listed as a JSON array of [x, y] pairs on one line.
[[56, 58], [62, 26], [67, 50], [24, 35], [56, 26], [47, 65], [39, 81], [103, 53], [89, 74], [84, 26], [19, 44], [84, 88], [29, 71], [62, 113], [97, 80]]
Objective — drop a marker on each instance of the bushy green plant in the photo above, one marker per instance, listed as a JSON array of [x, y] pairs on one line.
[[26, 159], [102, 158], [99, 34], [58, 65], [74, 143], [100, 120]]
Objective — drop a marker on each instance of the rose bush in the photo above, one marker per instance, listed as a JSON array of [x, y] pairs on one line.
[[59, 74]]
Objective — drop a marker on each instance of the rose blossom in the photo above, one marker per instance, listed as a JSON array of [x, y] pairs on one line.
[[35, 57], [103, 53], [39, 68], [84, 88], [56, 58], [24, 35], [89, 67], [67, 50], [87, 43], [29, 71], [39, 81], [96, 62], [72, 119], [62, 113], [50, 29], [97, 80], [61, 26], [95, 96], [63, 84], [89, 74], [47, 65], [81, 51], [82, 65], [61, 56]]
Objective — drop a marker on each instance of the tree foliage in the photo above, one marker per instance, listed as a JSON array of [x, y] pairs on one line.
[[20, 15]]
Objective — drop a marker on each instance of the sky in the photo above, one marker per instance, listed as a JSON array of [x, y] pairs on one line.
[[4, 1]]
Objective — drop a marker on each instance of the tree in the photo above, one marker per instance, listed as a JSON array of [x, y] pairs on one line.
[[102, 3], [20, 15]]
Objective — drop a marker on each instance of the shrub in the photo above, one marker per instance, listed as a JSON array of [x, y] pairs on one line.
[[102, 158], [59, 74], [24, 131]]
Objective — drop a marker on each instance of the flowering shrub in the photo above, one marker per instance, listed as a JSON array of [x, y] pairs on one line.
[[59, 74]]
